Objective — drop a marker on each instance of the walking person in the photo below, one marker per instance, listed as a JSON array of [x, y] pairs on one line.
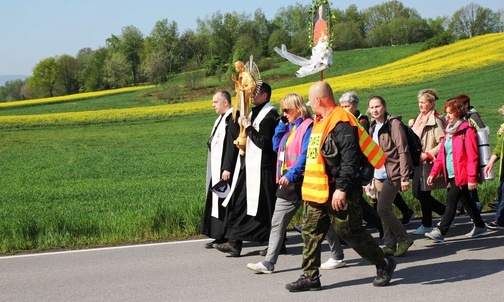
[[388, 132], [430, 129], [458, 160], [291, 143], [331, 189], [221, 161], [252, 198], [473, 117]]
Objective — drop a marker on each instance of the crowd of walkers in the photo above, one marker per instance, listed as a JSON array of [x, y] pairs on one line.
[[326, 161]]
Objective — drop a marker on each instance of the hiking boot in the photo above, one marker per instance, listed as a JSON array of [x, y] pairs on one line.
[[283, 251], [435, 235], [384, 274], [477, 232], [304, 283], [408, 217], [388, 251], [402, 247], [260, 268], [495, 225], [332, 264], [421, 230], [228, 248]]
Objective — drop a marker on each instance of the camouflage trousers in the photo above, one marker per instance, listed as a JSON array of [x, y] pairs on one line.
[[348, 226]]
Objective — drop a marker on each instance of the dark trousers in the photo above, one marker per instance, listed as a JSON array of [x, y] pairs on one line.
[[452, 197], [348, 226]]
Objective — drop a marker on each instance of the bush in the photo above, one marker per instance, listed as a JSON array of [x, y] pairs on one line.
[[444, 38]]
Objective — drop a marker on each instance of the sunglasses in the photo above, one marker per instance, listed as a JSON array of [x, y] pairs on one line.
[[287, 110]]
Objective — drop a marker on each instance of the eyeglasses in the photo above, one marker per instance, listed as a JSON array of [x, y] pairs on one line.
[[287, 110]]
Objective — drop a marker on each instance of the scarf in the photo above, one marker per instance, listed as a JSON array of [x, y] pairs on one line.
[[420, 122], [452, 128]]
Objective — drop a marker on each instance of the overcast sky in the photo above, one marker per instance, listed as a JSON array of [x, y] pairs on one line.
[[32, 30]]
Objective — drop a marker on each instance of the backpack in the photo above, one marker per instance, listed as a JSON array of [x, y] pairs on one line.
[[414, 144]]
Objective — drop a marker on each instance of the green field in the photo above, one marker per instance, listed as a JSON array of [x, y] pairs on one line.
[[115, 183]]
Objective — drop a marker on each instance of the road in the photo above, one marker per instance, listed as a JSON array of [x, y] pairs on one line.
[[459, 269]]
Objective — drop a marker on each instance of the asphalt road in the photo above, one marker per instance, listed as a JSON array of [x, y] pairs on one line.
[[459, 269]]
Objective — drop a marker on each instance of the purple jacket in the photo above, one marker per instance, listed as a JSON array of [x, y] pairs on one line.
[[465, 156]]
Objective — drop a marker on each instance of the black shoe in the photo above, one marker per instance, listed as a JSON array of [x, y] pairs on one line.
[[228, 248], [304, 283], [384, 275], [210, 245], [408, 217], [283, 251]]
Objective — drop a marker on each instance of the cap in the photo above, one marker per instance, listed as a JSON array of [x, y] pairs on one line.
[[221, 189]]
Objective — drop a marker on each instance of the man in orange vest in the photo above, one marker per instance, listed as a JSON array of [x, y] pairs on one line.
[[331, 188]]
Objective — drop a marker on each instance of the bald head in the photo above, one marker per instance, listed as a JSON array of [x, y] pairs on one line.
[[323, 91], [321, 98]]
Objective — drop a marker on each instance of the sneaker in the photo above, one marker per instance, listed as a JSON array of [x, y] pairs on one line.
[[477, 232], [260, 268], [304, 283], [494, 225], [408, 217], [384, 275], [388, 251], [435, 235], [422, 230], [332, 264], [402, 247], [228, 248]]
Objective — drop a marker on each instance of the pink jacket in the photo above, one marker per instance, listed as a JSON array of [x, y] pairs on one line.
[[465, 156]]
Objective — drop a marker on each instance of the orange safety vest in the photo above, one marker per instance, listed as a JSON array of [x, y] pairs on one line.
[[316, 183]]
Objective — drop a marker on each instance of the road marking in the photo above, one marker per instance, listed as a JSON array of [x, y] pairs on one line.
[[98, 249]]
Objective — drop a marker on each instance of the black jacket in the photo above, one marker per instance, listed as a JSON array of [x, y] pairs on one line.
[[344, 159]]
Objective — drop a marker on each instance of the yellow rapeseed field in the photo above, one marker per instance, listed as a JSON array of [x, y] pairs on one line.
[[440, 62], [71, 97]]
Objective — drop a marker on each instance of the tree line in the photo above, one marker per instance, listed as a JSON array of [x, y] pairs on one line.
[[218, 41]]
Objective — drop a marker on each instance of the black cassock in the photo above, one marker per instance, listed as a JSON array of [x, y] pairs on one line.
[[211, 226], [241, 226]]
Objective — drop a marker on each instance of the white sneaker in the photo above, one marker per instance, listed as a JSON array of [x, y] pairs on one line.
[[435, 235], [259, 268], [332, 264], [422, 230], [477, 232]]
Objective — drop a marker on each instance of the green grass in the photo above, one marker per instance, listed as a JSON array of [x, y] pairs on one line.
[[86, 186], [69, 187]]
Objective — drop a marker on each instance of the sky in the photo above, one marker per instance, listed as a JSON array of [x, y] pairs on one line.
[[33, 30]]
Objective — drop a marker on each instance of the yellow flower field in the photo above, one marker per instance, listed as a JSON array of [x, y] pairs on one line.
[[440, 62], [71, 97]]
